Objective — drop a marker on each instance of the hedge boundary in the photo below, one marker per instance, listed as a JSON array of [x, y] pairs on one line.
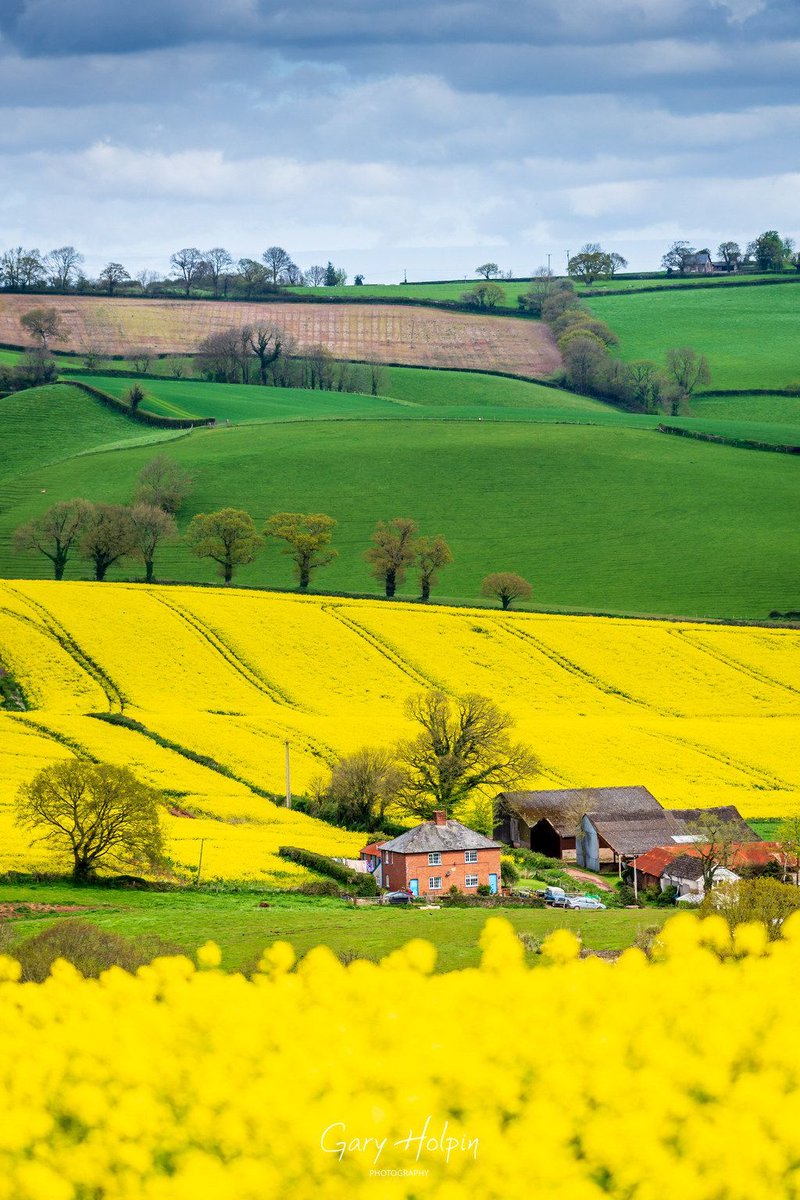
[[144, 418], [722, 440], [361, 885]]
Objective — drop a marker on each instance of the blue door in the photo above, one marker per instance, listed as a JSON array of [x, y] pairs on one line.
[[414, 885], [493, 884]]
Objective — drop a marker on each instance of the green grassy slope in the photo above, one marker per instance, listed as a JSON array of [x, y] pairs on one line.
[[751, 335], [596, 517], [410, 393]]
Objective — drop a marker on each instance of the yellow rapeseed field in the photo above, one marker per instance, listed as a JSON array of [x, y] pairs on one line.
[[699, 714], [180, 1083]]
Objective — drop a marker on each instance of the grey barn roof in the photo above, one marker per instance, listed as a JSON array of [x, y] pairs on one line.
[[728, 812], [685, 866], [431, 837], [560, 806], [639, 832]]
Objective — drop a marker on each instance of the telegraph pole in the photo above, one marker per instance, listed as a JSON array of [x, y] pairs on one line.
[[288, 778], [200, 862]]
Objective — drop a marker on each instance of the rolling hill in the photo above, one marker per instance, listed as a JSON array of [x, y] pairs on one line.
[[200, 688]]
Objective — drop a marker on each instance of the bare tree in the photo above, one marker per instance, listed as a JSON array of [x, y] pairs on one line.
[[112, 275], [716, 838], [315, 276], [432, 554], [678, 257], [108, 537], [141, 357], [45, 324], [276, 261], [505, 586], [489, 270], [164, 484], [392, 551], [93, 355], [146, 279], [61, 265], [55, 532], [266, 342], [189, 263], [463, 747], [21, 269], [218, 261], [688, 370], [252, 274], [307, 537], [151, 526]]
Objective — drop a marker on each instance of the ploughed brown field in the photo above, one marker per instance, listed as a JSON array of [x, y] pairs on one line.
[[424, 337]]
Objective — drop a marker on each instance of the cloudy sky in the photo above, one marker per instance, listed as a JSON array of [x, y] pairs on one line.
[[419, 136]]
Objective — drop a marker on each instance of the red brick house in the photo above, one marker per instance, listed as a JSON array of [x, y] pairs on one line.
[[440, 854]]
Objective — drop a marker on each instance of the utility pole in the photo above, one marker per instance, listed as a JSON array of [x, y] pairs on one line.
[[200, 862], [548, 264], [288, 778]]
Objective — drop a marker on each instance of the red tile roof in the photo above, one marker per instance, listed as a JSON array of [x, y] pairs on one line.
[[750, 854], [372, 850]]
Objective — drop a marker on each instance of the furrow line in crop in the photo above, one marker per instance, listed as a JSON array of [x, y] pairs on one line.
[[384, 648], [729, 661], [50, 625], [256, 680]]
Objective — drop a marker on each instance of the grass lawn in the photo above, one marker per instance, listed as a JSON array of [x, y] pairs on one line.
[[749, 334], [242, 929]]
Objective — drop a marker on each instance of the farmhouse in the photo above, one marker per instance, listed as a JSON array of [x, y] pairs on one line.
[[440, 854], [679, 866], [548, 821]]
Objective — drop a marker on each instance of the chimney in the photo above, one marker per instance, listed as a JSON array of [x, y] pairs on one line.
[[440, 817]]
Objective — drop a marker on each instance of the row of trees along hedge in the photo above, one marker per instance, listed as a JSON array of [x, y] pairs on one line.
[[104, 534], [586, 343]]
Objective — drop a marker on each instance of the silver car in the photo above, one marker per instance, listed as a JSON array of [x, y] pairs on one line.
[[584, 902]]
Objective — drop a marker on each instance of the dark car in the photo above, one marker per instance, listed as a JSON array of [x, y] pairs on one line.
[[397, 898]]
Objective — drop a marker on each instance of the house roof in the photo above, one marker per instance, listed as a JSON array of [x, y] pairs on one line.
[[452, 835], [635, 833], [373, 850], [655, 861], [685, 866], [727, 812], [560, 806], [661, 860]]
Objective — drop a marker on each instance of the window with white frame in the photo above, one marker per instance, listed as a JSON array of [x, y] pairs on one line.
[[470, 856], [434, 858], [471, 881], [434, 883]]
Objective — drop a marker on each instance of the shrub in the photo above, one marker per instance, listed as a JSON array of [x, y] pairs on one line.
[[484, 890], [89, 948], [354, 881]]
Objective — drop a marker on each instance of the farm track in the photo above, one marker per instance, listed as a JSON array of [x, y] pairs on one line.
[[411, 336]]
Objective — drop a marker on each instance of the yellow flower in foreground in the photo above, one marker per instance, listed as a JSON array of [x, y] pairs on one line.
[[561, 946], [209, 956]]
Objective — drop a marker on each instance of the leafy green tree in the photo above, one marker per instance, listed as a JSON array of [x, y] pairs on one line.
[[716, 842], [484, 295], [135, 397], [590, 264], [307, 537], [189, 265], [788, 839], [392, 551], [687, 370], [112, 275], [506, 587], [55, 532], [151, 527], [763, 900], [432, 554], [98, 814], [771, 251], [463, 747], [109, 537], [228, 537]]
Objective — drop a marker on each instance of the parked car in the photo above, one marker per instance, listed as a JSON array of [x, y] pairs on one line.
[[397, 898], [584, 902], [555, 896]]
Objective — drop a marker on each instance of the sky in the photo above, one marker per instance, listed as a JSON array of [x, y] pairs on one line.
[[417, 138]]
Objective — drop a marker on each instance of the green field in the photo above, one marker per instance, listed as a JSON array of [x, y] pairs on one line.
[[750, 335], [598, 517], [411, 393], [243, 929]]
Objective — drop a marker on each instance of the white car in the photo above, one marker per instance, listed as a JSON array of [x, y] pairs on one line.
[[584, 902]]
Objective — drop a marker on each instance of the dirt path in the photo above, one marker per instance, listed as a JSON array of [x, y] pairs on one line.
[[9, 910], [587, 877], [425, 337]]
